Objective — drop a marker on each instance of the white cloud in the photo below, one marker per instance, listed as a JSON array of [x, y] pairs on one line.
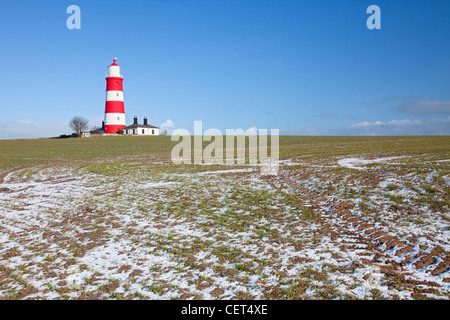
[[366, 124], [402, 127], [167, 126], [392, 123]]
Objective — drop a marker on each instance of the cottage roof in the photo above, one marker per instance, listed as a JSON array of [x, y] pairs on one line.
[[135, 126]]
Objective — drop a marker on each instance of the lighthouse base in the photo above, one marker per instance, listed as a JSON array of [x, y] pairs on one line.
[[113, 128]]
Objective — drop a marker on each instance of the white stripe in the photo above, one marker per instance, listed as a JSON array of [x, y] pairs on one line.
[[114, 95], [114, 71], [115, 119]]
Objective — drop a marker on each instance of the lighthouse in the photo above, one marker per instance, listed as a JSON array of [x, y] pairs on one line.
[[114, 107]]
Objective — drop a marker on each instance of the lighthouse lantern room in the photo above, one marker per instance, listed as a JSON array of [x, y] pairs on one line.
[[114, 108]]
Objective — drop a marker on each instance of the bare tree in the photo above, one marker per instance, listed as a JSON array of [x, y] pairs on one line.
[[78, 124]]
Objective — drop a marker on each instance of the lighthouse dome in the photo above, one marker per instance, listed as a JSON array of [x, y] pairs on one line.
[[114, 69]]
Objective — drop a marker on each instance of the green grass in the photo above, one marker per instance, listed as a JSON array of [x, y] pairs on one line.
[[18, 153], [428, 188], [22, 153], [397, 199]]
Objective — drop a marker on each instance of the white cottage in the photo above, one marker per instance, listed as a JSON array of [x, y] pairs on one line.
[[141, 129]]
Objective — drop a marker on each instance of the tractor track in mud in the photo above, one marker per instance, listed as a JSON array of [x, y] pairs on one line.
[[393, 255]]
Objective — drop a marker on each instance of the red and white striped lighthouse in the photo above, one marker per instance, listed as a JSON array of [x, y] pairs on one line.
[[114, 108]]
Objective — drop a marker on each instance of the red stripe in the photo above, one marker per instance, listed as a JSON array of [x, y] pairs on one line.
[[114, 107], [113, 128], [114, 83]]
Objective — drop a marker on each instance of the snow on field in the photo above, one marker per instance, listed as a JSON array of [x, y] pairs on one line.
[[358, 163], [127, 232], [224, 171]]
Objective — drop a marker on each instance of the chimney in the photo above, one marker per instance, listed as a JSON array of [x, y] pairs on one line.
[[145, 121], [135, 120]]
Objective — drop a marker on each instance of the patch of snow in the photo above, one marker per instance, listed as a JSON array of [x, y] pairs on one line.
[[223, 171], [357, 163]]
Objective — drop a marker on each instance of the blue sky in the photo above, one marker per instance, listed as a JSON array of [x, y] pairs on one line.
[[304, 67]]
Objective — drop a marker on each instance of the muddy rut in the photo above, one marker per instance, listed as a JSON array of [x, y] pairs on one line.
[[393, 254]]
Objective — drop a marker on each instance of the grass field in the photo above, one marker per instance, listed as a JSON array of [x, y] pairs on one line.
[[114, 218]]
